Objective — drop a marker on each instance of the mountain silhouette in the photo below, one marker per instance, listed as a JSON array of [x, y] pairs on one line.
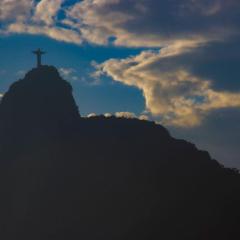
[[66, 177]]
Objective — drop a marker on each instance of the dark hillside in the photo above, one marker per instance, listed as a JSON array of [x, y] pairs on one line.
[[65, 177]]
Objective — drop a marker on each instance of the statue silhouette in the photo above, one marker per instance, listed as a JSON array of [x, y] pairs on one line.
[[39, 54]]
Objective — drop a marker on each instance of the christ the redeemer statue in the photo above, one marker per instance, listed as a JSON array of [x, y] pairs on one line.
[[39, 54]]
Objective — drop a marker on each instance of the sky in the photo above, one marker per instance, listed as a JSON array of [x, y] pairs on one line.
[[173, 62]]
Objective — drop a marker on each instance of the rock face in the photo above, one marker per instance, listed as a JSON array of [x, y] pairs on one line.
[[65, 177]]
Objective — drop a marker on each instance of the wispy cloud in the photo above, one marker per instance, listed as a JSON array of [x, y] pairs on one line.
[[20, 73], [57, 33], [69, 73], [66, 72]]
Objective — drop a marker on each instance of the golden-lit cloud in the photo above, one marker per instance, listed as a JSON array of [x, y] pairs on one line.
[[60, 34], [46, 11], [171, 92]]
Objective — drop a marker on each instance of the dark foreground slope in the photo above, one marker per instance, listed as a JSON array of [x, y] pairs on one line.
[[64, 177]]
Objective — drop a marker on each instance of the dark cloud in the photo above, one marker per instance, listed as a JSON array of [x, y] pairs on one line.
[[220, 63]]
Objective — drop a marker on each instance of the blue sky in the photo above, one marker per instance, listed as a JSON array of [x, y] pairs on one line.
[[106, 96], [174, 62]]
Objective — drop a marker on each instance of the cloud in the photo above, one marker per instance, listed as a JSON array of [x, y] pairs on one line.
[[60, 34], [125, 115], [181, 29], [46, 11], [69, 73], [171, 91], [26, 16], [128, 115], [108, 115], [154, 23], [21, 73], [90, 115], [66, 72], [143, 117], [15, 9], [132, 23]]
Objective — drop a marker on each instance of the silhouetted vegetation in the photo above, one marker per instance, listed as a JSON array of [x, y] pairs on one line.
[[67, 177]]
